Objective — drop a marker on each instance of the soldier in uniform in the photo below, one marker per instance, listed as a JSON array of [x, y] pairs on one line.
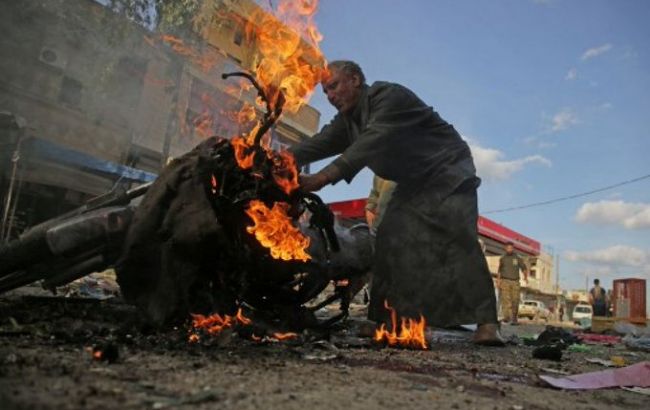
[[428, 260], [508, 283]]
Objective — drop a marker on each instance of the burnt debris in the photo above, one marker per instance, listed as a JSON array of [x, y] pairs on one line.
[[188, 248]]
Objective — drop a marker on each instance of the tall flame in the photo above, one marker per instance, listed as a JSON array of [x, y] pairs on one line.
[[274, 230], [289, 57], [411, 332]]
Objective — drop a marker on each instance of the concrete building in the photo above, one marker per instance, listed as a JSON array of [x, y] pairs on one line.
[[105, 101]]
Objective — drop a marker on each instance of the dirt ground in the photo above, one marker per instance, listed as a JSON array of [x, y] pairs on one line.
[[46, 363]]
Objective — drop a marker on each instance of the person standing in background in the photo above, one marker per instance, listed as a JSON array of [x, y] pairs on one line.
[[508, 283], [598, 299]]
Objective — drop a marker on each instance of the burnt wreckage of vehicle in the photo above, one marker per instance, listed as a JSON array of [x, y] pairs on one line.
[[190, 245]]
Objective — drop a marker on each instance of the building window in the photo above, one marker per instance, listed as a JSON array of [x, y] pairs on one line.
[[70, 93]]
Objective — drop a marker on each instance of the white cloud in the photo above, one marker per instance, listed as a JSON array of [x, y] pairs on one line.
[[614, 256], [539, 143], [563, 120], [491, 165], [626, 214], [596, 51], [572, 74]]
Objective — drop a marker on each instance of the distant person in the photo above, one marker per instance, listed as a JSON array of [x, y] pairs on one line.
[[508, 283], [561, 313], [598, 299], [380, 194]]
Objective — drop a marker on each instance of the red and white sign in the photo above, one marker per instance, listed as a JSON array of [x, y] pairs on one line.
[[356, 209]]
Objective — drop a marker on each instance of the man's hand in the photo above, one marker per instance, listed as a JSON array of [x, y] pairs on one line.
[[370, 217], [314, 182]]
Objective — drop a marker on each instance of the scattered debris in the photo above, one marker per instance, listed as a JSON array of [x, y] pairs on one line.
[[603, 362], [637, 343], [554, 371], [641, 390], [579, 349], [592, 338], [637, 375], [551, 352], [618, 361], [556, 336], [626, 328], [100, 286]]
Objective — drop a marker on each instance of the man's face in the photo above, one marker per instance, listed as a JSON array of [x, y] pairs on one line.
[[509, 249], [343, 90]]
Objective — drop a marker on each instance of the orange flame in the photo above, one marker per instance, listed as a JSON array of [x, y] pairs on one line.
[[275, 231], [216, 323], [285, 172], [411, 333], [244, 155], [214, 183], [289, 57], [285, 336]]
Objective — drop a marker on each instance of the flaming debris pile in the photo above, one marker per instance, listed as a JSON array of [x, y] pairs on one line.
[[203, 326], [411, 332], [274, 230], [224, 217], [218, 229]]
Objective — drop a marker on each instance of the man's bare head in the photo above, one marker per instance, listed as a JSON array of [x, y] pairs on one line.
[[343, 85]]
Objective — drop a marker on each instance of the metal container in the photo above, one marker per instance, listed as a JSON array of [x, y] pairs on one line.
[[628, 298]]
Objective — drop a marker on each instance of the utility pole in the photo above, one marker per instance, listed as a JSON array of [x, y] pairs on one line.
[[557, 285]]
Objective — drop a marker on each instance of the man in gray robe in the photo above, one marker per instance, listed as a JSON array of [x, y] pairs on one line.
[[428, 260]]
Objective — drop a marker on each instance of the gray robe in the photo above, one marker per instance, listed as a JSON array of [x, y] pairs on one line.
[[428, 260]]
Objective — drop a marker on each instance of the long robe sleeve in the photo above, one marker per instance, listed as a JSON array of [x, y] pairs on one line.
[[331, 140]]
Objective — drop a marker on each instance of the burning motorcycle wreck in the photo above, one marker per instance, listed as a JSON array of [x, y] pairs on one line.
[[217, 232]]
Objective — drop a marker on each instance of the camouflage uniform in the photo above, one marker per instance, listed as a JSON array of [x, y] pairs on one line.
[[509, 299], [509, 267]]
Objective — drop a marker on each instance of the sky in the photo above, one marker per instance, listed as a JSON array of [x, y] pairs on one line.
[[553, 97]]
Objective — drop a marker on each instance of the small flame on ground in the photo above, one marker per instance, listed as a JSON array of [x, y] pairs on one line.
[[216, 323], [411, 332], [285, 336], [274, 230]]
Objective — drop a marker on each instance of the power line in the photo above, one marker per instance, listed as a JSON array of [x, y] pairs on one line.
[[566, 198]]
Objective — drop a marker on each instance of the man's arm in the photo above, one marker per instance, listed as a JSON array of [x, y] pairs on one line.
[[331, 140], [523, 267], [390, 108]]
